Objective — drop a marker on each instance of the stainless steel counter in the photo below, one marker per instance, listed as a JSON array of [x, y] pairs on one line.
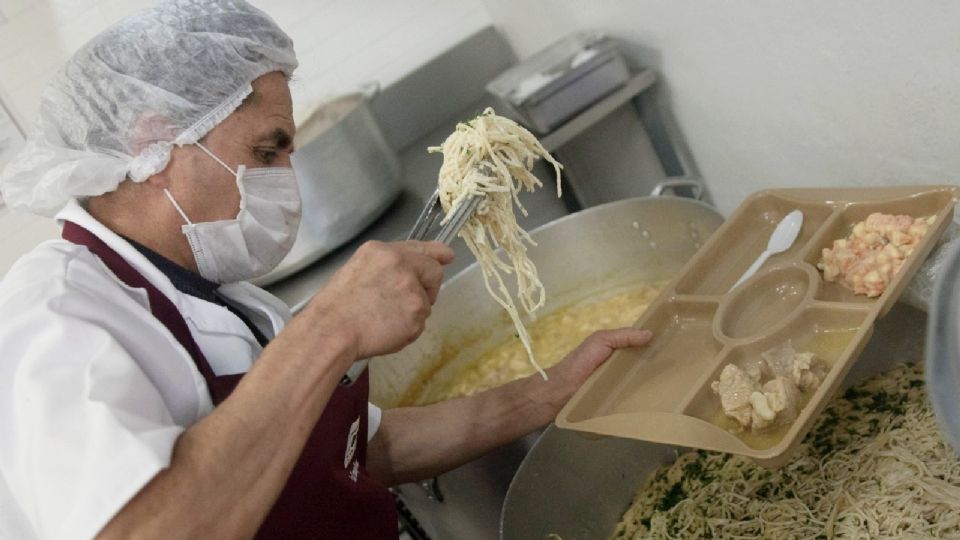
[[419, 179]]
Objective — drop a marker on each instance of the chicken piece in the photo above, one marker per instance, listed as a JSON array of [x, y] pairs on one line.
[[754, 366], [809, 370], [778, 361], [762, 413], [783, 396], [777, 400], [735, 388], [805, 370], [778, 403]]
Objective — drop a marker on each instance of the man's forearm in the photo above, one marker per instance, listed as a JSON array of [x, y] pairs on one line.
[[228, 469], [459, 430], [417, 443]]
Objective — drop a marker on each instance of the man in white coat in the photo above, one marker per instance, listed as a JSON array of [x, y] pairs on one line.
[[146, 389]]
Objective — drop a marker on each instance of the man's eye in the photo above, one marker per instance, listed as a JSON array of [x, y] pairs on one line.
[[265, 156]]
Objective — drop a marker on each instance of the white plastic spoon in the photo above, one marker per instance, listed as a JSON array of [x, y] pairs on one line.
[[782, 238]]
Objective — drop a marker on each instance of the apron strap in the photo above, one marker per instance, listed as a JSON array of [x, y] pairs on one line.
[[161, 306]]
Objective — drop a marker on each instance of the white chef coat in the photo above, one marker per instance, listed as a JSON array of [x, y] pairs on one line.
[[94, 390]]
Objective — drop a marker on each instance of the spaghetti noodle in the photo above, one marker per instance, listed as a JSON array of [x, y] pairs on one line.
[[492, 157], [874, 466]]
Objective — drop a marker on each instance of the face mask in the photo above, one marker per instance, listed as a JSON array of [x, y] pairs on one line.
[[261, 235]]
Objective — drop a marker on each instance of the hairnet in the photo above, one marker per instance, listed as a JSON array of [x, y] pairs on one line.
[[165, 76]]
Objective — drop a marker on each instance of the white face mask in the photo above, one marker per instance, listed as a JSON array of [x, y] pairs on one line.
[[261, 235]]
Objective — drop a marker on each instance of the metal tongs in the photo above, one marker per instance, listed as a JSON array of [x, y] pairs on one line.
[[448, 231], [432, 212], [461, 214]]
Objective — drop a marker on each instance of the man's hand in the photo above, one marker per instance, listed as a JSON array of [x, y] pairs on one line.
[[382, 296], [571, 372]]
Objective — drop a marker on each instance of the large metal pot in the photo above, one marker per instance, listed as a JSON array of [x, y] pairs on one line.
[[591, 251], [578, 487], [348, 176]]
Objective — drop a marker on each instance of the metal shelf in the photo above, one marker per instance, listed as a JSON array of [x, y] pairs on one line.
[[576, 125]]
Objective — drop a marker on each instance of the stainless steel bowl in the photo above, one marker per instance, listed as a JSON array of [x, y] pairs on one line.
[[592, 251]]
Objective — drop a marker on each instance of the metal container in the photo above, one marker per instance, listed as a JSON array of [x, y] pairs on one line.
[[348, 176], [553, 85], [576, 486], [592, 251]]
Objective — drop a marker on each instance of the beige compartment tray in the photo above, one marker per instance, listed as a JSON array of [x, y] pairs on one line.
[[662, 392]]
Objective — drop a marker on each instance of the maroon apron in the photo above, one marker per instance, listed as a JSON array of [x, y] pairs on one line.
[[329, 493]]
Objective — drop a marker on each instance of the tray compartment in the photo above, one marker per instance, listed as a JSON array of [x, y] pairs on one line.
[[930, 203], [743, 238], [829, 332], [654, 378], [766, 301]]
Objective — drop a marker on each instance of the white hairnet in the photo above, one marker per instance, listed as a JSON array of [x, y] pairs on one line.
[[163, 77]]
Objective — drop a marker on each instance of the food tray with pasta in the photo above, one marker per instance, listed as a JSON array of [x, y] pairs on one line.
[[747, 369]]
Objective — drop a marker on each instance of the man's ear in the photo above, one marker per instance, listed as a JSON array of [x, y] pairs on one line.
[[150, 128], [161, 180], [179, 159]]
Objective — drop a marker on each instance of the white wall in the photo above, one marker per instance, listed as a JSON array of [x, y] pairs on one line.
[[344, 43], [340, 44], [798, 93]]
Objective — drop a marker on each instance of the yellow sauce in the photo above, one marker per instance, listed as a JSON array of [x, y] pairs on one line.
[[829, 345], [551, 338]]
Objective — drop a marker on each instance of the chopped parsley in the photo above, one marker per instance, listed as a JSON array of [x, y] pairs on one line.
[[671, 498]]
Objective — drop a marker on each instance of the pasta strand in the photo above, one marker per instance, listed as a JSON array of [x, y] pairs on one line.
[[493, 157]]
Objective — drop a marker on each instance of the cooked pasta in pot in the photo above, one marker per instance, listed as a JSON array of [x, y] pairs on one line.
[[551, 337], [874, 466]]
